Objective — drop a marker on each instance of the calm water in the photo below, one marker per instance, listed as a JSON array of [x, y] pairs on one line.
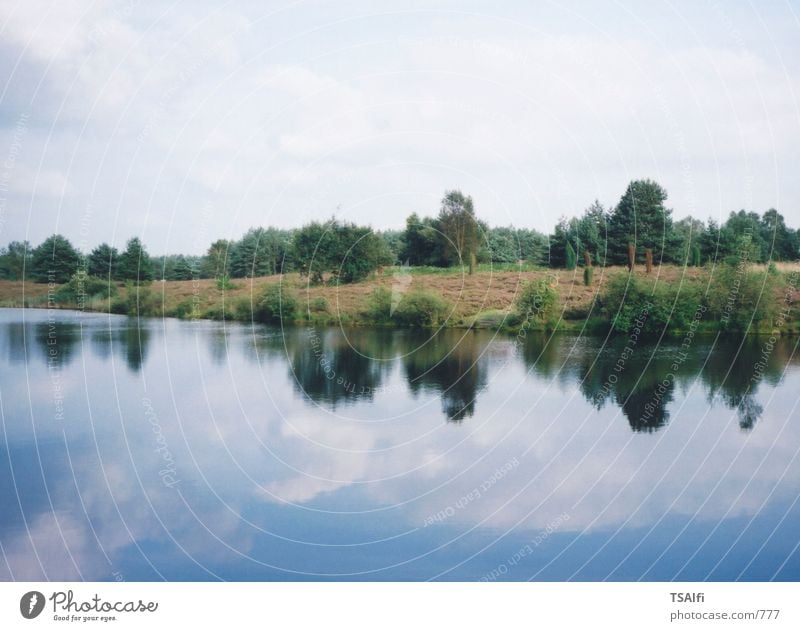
[[200, 451]]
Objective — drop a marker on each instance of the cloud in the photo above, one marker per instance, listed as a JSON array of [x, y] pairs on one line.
[[151, 113]]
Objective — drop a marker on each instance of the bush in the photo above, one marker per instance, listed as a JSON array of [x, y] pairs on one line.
[[628, 303], [740, 298], [378, 308], [537, 301], [277, 303], [81, 288], [224, 283], [319, 305], [421, 309], [694, 256], [139, 300], [570, 257], [588, 275]]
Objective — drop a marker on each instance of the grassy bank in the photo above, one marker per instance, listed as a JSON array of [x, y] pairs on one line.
[[751, 298]]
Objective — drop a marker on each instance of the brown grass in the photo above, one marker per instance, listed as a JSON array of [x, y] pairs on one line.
[[469, 295]]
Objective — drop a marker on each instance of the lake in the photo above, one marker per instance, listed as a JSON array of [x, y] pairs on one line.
[[162, 449]]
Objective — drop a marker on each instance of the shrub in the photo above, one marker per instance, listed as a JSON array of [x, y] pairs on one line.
[[277, 303], [588, 275], [628, 303], [537, 301], [319, 305], [138, 300], [694, 256], [378, 308], [420, 308], [570, 258], [81, 288], [224, 283], [740, 298]]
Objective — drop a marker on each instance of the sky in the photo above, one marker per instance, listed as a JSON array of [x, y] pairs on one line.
[[184, 122]]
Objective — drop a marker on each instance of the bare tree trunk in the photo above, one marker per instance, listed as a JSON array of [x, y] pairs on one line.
[[631, 256], [471, 263], [648, 258]]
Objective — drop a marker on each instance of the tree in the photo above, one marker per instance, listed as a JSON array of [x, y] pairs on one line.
[[260, 252], [215, 262], [591, 232], [55, 260], [502, 245], [780, 241], [15, 260], [347, 252], [642, 219], [460, 228], [134, 262], [570, 259], [102, 262], [688, 233], [423, 242]]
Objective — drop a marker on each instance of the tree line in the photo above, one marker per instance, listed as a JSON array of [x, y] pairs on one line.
[[640, 228]]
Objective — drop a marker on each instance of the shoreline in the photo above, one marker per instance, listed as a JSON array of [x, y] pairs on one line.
[[486, 300]]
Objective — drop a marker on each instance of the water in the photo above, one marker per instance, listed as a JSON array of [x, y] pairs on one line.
[[202, 451]]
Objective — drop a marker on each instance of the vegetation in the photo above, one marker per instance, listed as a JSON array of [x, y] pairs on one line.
[[537, 303], [726, 271], [420, 309]]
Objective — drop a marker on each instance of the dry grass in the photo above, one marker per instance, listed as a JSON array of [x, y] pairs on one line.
[[469, 295]]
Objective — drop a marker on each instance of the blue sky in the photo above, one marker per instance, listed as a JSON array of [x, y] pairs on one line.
[[183, 122]]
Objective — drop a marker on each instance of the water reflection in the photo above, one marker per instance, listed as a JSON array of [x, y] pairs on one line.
[[452, 364], [278, 476]]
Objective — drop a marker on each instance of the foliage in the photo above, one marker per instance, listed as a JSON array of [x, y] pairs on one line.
[[345, 251], [54, 260], [629, 303], [421, 309], [260, 252], [277, 303], [537, 301], [134, 262], [138, 300], [588, 275], [570, 259], [15, 260], [741, 298], [459, 227], [82, 287], [641, 218], [378, 308], [102, 262], [224, 283]]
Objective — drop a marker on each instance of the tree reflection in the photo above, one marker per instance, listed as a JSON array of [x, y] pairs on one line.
[[450, 363], [332, 368], [736, 368], [131, 340], [57, 340]]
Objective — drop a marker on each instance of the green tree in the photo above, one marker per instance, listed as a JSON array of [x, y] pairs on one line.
[[55, 260], [215, 261], [15, 260], [570, 260], [780, 241], [642, 219], [260, 252], [102, 262], [460, 228], [422, 242], [135, 263], [345, 251]]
